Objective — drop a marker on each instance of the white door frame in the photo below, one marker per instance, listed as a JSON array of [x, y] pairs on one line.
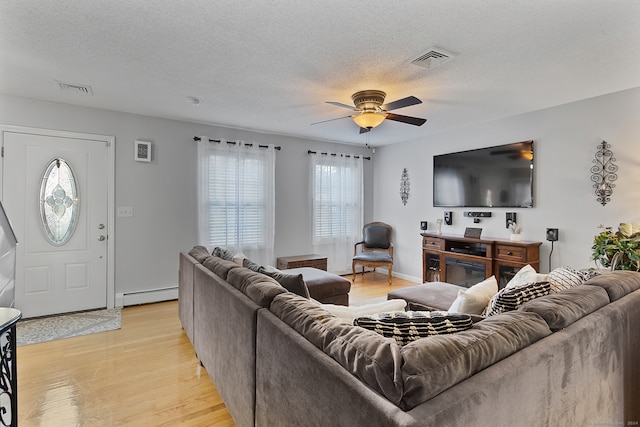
[[111, 167]]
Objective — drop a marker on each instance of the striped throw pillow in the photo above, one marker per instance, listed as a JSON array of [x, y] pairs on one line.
[[408, 326], [509, 299]]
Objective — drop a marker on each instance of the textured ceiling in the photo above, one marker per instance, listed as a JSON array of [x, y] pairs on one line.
[[270, 66]]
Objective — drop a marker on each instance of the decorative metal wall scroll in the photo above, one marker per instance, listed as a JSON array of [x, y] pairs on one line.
[[603, 173], [405, 186], [8, 368]]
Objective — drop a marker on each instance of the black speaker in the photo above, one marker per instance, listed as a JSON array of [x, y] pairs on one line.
[[448, 217], [552, 234], [423, 225]]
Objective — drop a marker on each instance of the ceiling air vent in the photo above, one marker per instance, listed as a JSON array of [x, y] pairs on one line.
[[432, 58], [75, 88]]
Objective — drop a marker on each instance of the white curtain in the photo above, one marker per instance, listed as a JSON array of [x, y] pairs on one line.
[[236, 198], [337, 200]]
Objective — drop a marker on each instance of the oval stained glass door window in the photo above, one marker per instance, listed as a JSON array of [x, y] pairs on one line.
[[59, 202]]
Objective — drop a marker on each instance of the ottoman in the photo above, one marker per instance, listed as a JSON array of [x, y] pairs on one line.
[[429, 296], [325, 287]]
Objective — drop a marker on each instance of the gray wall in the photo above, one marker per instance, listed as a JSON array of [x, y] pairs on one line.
[[565, 139], [163, 192]]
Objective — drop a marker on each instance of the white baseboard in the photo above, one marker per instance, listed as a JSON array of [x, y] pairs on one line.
[[407, 277], [394, 274], [145, 297]]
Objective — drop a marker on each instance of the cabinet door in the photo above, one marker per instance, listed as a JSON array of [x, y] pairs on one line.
[[431, 266]]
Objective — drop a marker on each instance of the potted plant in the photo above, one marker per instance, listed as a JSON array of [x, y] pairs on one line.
[[619, 250]]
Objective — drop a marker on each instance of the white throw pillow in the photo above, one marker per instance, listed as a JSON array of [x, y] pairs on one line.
[[476, 298], [347, 314], [526, 275], [239, 258]]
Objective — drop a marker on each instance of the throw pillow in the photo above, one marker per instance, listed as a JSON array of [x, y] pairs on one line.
[[291, 282], [509, 299], [239, 258], [222, 253], [565, 278], [247, 263], [348, 314], [408, 326], [526, 275], [590, 273], [475, 299]]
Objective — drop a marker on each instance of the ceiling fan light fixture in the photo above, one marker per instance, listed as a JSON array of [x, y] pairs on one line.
[[369, 119]]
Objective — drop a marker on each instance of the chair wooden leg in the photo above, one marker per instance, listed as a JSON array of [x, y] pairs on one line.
[[353, 268], [390, 268]]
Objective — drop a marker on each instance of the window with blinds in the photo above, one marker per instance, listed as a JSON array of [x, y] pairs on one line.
[[335, 201], [236, 200]]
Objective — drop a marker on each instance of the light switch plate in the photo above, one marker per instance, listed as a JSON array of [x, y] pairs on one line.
[[125, 212]]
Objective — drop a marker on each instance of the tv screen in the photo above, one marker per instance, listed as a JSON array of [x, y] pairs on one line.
[[500, 176]]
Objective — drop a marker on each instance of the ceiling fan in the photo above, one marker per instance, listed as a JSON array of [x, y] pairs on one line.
[[370, 111]]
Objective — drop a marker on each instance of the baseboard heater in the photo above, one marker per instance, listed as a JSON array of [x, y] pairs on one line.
[[145, 297]]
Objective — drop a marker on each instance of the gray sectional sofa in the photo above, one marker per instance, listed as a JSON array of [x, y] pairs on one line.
[[278, 359]]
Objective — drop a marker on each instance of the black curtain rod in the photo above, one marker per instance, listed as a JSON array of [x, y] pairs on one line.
[[197, 138], [335, 154]]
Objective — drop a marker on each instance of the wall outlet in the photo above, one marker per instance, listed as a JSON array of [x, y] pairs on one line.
[[552, 234], [448, 217], [125, 212], [424, 225]]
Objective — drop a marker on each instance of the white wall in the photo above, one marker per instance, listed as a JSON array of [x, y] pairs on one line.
[[163, 192], [565, 139]]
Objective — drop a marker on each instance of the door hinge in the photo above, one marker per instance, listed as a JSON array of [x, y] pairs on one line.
[[2, 151]]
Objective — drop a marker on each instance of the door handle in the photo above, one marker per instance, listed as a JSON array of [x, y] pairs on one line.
[[101, 238], [100, 226]]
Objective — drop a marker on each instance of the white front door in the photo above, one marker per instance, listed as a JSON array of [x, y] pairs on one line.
[[55, 189]]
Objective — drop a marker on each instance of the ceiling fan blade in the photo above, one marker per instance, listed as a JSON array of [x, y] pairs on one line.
[[340, 104], [330, 120], [364, 130], [401, 103], [416, 121]]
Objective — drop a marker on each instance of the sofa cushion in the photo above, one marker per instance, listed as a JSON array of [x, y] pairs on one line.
[[291, 282], [348, 313], [200, 253], [259, 288], [222, 253], [219, 266], [436, 364], [429, 296], [373, 359], [617, 283], [562, 278], [561, 309], [408, 326], [475, 299], [322, 285], [511, 298]]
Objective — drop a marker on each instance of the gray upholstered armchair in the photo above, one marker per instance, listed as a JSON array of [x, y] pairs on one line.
[[376, 248]]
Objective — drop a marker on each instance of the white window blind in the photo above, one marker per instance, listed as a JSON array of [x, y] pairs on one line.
[[236, 198]]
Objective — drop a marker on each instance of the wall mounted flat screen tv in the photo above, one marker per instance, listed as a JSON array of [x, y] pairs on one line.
[[492, 177]]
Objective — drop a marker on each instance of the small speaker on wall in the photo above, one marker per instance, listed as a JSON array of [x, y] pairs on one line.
[[424, 225], [142, 151], [448, 217]]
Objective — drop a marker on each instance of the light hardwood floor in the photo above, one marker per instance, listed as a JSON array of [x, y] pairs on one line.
[[144, 374]]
